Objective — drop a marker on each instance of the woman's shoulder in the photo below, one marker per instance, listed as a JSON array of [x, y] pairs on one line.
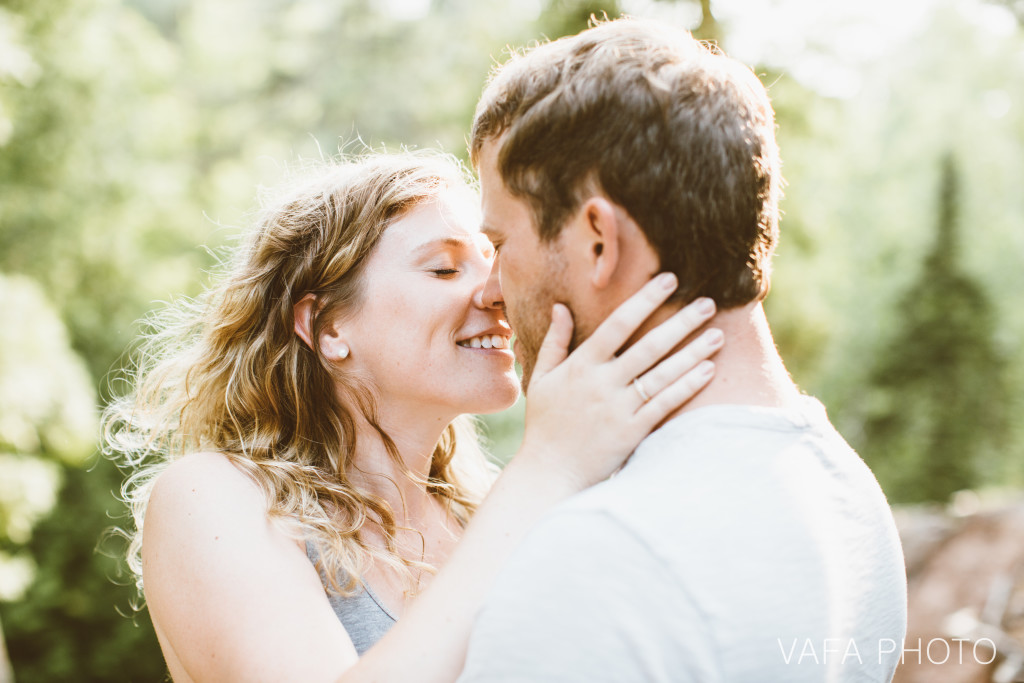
[[205, 464], [202, 489], [207, 471], [235, 596], [204, 512]]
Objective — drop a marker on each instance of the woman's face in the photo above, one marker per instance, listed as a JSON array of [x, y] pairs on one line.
[[423, 334]]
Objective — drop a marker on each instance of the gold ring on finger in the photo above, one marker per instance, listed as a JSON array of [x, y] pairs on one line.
[[640, 390]]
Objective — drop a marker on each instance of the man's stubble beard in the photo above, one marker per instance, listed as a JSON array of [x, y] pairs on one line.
[[530, 317]]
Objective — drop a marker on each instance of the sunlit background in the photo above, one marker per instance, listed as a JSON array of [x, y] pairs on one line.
[[134, 135]]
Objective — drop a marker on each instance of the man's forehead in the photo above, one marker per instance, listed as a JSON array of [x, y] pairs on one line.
[[488, 152], [487, 167]]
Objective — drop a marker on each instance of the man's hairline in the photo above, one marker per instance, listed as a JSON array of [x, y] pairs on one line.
[[591, 185]]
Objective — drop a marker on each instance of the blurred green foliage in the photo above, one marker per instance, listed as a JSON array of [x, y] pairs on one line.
[[936, 409], [76, 622], [133, 134]]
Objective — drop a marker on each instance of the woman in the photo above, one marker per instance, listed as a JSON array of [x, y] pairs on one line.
[[303, 459]]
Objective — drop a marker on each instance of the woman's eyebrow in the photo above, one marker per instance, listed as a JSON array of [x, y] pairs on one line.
[[456, 242]]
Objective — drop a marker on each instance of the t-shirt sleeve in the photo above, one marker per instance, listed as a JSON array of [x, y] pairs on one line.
[[585, 599]]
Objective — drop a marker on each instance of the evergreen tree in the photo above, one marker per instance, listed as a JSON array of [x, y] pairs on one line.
[[938, 405]]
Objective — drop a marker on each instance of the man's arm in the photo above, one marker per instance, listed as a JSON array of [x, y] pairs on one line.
[[585, 599]]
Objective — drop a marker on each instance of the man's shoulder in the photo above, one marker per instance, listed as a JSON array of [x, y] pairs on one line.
[[733, 472], [713, 454]]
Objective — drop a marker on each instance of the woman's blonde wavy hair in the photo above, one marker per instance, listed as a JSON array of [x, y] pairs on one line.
[[227, 373]]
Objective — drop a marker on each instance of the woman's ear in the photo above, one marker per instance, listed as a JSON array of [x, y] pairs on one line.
[[303, 314], [332, 343]]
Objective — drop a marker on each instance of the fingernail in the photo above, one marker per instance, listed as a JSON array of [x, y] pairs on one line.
[[705, 305], [714, 336], [667, 281], [706, 368]]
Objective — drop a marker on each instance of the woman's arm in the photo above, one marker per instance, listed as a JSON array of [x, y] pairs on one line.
[[584, 417]]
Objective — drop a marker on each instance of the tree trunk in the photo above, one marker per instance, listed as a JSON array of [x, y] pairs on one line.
[[6, 672], [709, 28]]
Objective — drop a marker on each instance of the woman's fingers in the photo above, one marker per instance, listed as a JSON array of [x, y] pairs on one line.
[[592, 376], [680, 363], [618, 327], [675, 394], [653, 346], [555, 346]]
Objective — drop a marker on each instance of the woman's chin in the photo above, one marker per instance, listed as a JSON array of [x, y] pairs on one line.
[[500, 398]]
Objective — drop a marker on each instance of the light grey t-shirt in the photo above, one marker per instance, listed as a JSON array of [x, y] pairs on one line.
[[737, 544]]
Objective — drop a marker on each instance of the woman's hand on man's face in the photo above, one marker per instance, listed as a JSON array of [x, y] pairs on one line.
[[587, 411]]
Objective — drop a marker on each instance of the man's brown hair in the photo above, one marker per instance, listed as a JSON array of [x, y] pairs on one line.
[[679, 135]]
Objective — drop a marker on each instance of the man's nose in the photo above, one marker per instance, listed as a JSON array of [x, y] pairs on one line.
[[490, 294]]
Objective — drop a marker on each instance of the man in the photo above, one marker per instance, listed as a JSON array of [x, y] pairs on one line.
[[744, 540]]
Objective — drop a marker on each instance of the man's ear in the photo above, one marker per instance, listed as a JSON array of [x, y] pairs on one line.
[[602, 232], [303, 314]]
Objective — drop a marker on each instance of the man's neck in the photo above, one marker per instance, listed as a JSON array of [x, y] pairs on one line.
[[748, 368]]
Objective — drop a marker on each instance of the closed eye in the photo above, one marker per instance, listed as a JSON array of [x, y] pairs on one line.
[[446, 272]]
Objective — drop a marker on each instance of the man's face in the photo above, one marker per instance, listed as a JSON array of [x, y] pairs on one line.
[[527, 274]]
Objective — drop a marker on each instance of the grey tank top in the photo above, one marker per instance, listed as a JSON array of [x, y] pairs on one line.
[[363, 614]]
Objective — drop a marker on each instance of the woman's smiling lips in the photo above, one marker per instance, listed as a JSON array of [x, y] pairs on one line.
[[497, 338], [489, 341]]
